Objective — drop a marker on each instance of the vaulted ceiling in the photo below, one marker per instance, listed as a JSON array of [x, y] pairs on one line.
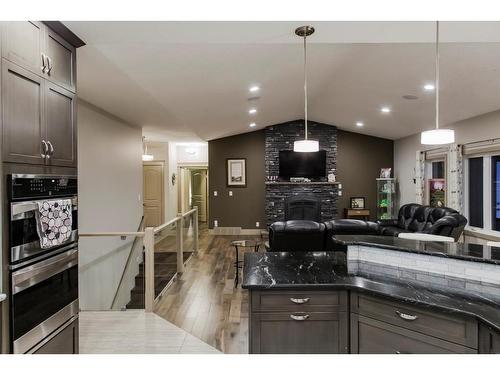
[[189, 80]]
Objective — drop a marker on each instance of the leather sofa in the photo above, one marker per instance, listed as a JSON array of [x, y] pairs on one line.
[[414, 217], [308, 235]]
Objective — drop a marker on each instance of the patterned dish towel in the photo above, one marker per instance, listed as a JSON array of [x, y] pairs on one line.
[[54, 220]]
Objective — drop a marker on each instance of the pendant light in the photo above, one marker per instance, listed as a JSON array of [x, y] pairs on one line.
[[145, 155], [305, 145], [437, 136]]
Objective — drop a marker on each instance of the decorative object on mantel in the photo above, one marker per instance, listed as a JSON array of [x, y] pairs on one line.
[[437, 136], [299, 179], [385, 172], [305, 145], [236, 172], [358, 202], [331, 177]]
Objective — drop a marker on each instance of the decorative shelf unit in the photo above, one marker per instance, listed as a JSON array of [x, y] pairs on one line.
[[386, 198]]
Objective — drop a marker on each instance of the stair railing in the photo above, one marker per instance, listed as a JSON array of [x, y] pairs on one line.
[[148, 238]]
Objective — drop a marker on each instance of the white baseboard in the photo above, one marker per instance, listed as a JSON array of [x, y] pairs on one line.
[[234, 231]]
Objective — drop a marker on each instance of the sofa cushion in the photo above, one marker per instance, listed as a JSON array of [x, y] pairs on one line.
[[393, 231]]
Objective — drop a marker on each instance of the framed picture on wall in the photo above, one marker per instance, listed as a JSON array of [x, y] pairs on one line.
[[236, 171], [358, 202]]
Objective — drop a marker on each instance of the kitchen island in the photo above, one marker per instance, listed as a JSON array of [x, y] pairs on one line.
[[333, 302]]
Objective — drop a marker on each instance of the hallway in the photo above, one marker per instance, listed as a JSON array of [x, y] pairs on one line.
[[204, 302]]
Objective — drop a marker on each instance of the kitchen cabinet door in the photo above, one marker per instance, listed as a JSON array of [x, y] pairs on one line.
[[313, 333], [60, 109], [489, 340], [22, 44], [62, 61], [23, 126]]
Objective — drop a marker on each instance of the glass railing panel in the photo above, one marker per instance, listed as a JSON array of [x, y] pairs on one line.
[[165, 257]]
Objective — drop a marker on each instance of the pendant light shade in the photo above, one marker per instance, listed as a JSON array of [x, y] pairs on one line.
[[145, 155], [437, 136], [305, 145]]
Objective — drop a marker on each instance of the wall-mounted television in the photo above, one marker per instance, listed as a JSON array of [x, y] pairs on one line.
[[302, 164]]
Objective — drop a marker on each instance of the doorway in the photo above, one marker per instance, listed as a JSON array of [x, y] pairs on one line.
[[154, 193], [193, 190]]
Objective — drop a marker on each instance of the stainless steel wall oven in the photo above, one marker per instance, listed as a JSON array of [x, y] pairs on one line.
[[43, 296]]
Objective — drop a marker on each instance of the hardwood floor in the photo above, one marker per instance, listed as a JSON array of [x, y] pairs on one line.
[[204, 302]]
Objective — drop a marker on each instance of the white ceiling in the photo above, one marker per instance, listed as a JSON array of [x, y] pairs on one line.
[[189, 80]]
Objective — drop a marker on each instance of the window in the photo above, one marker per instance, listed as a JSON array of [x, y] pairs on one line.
[[438, 169], [495, 192], [475, 185]]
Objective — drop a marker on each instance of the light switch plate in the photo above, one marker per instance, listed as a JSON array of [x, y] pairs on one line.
[[257, 224], [215, 193], [216, 223], [230, 193]]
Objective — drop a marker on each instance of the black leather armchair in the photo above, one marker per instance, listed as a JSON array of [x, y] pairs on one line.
[[297, 235]]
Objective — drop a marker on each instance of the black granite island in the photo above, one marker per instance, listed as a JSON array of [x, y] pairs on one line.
[[328, 302]]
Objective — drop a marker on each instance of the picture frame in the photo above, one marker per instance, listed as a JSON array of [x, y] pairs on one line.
[[358, 203], [236, 172]]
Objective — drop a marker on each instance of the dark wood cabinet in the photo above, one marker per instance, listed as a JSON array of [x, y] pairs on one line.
[[300, 322], [23, 115], [371, 336], [38, 115], [23, 44], [61, 58], [60, 119], [64, 341], [489, 340]]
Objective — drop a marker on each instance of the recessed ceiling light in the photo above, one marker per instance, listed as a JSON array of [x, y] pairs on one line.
[[254, 88], [253, 125], [359, 124], [252, 111], [429, 87], [385, 110]]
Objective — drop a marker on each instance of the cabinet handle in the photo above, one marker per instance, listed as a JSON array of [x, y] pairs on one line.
[[43, 63], [51, 148], [49, 63], [299, 317], [45, 149], [300, 301], [406, 316]]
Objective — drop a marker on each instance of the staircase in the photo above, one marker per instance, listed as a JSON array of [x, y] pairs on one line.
[[165, 270]]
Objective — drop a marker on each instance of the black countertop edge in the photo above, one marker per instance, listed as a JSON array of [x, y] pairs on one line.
[[357, 288], [423, 252]]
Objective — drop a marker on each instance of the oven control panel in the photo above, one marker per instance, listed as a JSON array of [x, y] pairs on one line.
[[31, 187]]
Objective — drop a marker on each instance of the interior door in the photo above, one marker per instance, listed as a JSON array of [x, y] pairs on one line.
[[61, 125], [23, 115], [199, 192], [153, 194]]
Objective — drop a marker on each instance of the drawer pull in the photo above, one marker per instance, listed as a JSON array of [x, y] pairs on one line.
[[408, 317], [299, 317], [300, 301]]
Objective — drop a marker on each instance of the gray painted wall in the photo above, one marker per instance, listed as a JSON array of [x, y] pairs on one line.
[[475, 129], [110, 199]]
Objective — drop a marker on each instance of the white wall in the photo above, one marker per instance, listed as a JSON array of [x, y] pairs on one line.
[[192, 154], [478, 128], [110, 199]]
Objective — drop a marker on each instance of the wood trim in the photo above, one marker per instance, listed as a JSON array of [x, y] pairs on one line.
[[65, 32]]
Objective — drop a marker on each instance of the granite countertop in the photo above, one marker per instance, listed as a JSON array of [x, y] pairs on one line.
[[329, 270], [466, 251]]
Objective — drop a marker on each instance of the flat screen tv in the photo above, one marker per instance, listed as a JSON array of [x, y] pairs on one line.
[[302, 164]]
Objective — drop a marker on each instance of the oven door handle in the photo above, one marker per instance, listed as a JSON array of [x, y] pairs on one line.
[[19, 208], [31, 275]]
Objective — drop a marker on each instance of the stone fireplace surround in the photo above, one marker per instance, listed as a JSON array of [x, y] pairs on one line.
[[281, 137]]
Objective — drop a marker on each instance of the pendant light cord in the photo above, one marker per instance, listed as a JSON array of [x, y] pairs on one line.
[[305, 85], [437, 74]]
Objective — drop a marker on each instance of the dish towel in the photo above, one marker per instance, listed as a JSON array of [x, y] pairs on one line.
[[54, 221]]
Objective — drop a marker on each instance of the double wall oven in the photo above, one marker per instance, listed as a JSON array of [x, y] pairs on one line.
[[43, 293]]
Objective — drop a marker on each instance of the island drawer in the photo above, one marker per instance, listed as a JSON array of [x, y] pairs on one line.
[[299, 333], [321, 301], [447, 326], [370, 336]]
